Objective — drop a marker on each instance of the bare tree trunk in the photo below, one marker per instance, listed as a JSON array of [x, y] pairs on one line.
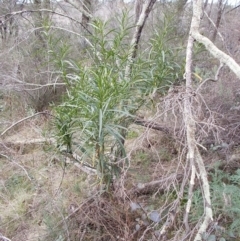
[[147, 7], [87, 7], [219, 17], [8, 25], [210, 12], [38, 18], [205, 4], [138, 9]]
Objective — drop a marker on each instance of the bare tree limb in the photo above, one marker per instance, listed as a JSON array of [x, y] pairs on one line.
[[26, 118], [221, 7], [210, 79], [17, 164], [12, 14], [138, 9], [157, 185], [217, 53], [214, 25], [233, 9]]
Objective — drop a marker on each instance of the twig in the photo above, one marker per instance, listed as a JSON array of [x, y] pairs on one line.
[[4, 238], [8, 158], [233, 9], [22, 120], [76, 159], [209, 79], [214, 25]]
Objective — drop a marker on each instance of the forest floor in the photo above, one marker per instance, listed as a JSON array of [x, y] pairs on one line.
[[39, 189], [44, 197]]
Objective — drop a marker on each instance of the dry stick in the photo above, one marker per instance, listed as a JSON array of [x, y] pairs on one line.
[[209, 79], [8, 158], [214, 25], [26, 118], [233, 9], [160, 185], [218, 32], [208, 218], [190, 195]]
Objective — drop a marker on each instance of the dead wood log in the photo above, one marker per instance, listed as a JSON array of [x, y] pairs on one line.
[[160, 185], [163, 184], [152, 125]]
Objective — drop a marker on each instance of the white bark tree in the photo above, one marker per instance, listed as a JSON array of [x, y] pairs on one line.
[[193, 155]]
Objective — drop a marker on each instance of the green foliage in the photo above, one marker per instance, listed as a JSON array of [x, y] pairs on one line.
[[53, 232], [166, 57], [225, 196], [226, 199], [132, 134], [101, 101], [15, 184]]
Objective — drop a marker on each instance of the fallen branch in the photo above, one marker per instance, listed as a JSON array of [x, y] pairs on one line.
[[38, 141], [158, 185], [22, 120], [162, 184], [72, 158], [77, 161], [3, 238], [152, 125], [17, 164]]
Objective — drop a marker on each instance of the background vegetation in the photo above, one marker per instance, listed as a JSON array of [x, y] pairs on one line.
[[93, 138]]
